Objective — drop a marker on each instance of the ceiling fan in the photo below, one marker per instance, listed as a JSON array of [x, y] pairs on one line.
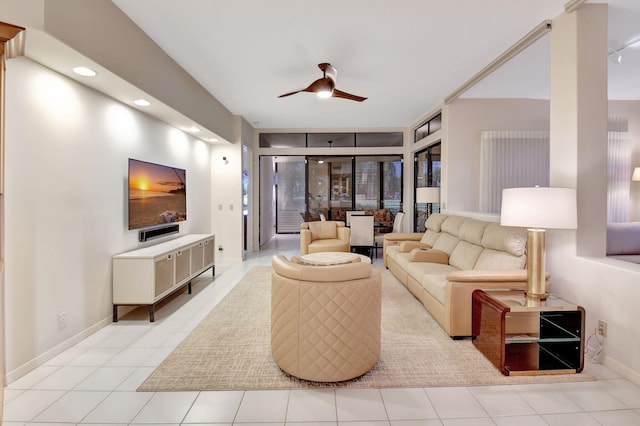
[[325, 87]]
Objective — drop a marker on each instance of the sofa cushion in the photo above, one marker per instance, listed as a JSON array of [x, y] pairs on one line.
[[436, 285], [452, 224], [505, 238], [472, 230], [402, 259], [494, 259], [322, 230], [391, 251], [419, 270], [429, 238], [446, 242], [465, 255], [435, 221]]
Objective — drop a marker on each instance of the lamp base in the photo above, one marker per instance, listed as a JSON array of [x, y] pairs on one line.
[[536, 296], [536, 274]]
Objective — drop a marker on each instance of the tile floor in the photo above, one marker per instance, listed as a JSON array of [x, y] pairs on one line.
[[94, 383]]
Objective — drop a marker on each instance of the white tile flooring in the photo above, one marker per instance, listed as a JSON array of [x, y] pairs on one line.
[[94, 383]]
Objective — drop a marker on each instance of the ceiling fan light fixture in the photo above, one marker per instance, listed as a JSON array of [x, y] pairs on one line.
[[325, 87], [324, 93]]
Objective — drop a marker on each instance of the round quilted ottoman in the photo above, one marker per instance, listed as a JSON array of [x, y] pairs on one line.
[[325, 320]]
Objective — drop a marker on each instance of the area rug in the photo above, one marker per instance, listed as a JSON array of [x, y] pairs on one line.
[[230, 349]]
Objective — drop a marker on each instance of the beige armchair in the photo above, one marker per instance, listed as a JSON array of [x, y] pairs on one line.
[[322, 236], [325, 320]]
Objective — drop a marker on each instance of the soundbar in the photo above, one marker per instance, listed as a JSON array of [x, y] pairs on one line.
[[149, 234]]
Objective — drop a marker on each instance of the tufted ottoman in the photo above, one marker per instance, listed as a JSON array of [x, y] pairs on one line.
[[325, 320]]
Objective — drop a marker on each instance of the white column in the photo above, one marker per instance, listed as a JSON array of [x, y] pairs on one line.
[[578, 127]]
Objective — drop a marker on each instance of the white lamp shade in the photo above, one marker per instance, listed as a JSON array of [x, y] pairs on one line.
[[636, 174], [429, 194], [539, 208]]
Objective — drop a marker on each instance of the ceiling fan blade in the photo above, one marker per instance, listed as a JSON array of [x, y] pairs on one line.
[[320, 84], [344, 95], [290, 93]]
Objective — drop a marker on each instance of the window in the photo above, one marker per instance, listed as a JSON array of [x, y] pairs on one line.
[[330, 140], [430, 126], [426, 174]]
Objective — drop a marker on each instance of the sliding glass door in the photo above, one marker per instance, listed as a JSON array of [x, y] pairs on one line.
[[426, 174], [289, 193], [308, 187]]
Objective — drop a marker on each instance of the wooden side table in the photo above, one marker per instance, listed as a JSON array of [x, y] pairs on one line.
[[522, 337]]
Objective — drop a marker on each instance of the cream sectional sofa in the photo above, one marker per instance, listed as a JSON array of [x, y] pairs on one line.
[[456, 255]]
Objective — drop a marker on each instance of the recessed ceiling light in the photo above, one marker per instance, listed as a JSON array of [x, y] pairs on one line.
[[142, 102], [213, 139], [194, 129], [84, 71]]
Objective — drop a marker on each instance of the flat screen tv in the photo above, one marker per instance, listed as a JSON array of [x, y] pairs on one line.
[[157, 194]]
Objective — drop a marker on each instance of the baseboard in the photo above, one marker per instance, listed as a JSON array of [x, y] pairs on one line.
[[624, 371], [55, 351]]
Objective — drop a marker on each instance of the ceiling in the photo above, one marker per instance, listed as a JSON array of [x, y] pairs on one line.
[[406, 57]]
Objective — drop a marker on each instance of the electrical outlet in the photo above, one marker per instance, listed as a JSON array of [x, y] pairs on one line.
[[602, 328], [220, 248], [62, 319]]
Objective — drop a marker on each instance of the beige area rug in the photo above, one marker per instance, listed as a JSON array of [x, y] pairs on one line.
[[230, 349]]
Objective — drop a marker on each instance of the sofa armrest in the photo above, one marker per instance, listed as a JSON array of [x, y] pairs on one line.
[[498, 275], [344, 233], [305, 240], [431, 256], [403, 236]]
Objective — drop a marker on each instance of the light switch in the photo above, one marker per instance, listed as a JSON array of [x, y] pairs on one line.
[[219, 206], [230, 206]]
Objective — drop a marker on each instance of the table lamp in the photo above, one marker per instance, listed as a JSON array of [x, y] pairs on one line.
[[428, 195], [538, 209]]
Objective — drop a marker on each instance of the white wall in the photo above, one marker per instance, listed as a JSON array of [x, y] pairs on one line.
[[226, 195], [607, 288], [267, 200], [66, 188], [466, 118]]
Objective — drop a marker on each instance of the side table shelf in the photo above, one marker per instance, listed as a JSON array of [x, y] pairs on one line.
[[145, 276], [522, 337]]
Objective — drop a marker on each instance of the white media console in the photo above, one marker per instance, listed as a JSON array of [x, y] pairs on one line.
[[147, 275]]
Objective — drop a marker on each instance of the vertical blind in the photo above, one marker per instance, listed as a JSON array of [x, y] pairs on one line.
[[511, 159], [619, 170]]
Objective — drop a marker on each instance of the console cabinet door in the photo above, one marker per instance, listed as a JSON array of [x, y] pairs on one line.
[[209, 252], [183, 264], [164, 274], [197, 257]]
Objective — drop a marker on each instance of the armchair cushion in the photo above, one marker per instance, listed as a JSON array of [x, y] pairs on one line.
[[323, 230]]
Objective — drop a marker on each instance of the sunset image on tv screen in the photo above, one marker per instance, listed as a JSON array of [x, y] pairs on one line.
[[157, 194]]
